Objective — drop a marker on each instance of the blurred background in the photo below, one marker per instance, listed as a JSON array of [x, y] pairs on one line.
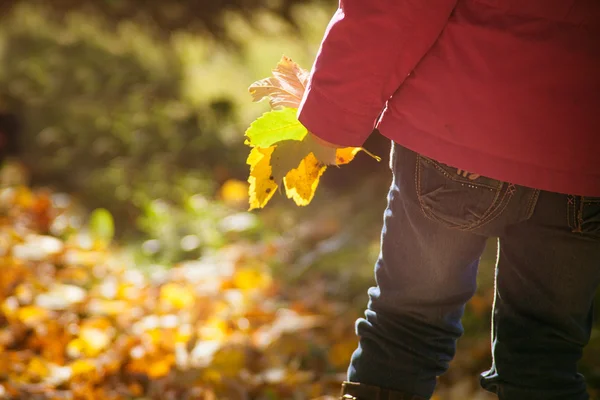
[[121, 135]]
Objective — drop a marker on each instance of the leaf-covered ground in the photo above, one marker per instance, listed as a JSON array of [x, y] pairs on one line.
[[78, 322]]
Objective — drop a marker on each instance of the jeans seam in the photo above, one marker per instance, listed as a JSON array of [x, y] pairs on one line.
[[469, 228], [570, 202], [580, 214], [532, 203], [508, 194], [429, 214], [452, 178], [586, 203], [575, 213]]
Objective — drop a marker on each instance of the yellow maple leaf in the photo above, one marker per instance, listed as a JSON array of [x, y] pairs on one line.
[[262, 185], [301, 183]]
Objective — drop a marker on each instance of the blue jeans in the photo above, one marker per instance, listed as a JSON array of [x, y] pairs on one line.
[[436, 226]]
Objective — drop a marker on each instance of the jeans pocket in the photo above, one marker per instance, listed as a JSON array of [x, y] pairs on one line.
[[457, 198], [584, 215]]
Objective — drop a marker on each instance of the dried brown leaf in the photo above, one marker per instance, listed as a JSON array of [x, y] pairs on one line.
[[285, 88]]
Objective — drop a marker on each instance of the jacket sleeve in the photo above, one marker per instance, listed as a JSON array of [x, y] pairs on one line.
[[369, 48]]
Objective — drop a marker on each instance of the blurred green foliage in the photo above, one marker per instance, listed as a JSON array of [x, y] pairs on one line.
[[188, 231], [164, 17], [122, 117]]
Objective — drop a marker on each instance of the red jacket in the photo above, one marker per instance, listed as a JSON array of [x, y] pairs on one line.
[[509, 89]]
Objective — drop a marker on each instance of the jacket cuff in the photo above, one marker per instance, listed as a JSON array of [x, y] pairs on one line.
[[332, 123]]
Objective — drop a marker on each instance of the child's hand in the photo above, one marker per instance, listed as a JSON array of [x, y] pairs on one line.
[[324, 142]]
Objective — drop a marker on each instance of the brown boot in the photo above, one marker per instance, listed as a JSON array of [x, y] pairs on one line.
[[359, 391]]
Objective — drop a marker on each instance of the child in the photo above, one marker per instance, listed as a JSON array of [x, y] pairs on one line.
[[493, 107]]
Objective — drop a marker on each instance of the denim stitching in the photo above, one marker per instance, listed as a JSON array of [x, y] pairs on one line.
[[570, 202], [418, 188], [588, 203], [511, 188], [431, 215], [461, 181], [532, 203], [508, 194], [490, 211], [494, 215], [580, 214], [419, 196], [575, 205], [574, 218]]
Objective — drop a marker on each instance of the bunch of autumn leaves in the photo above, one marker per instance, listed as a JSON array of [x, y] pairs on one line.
[[283, 151]]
